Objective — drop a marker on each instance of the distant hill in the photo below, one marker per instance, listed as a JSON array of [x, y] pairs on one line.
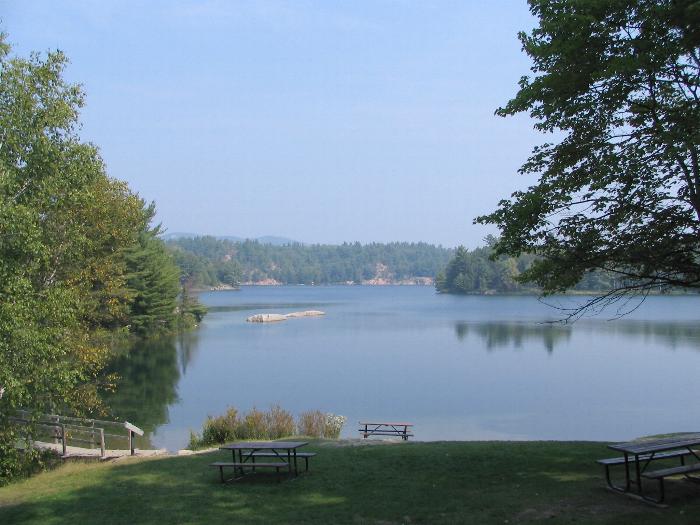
[[265, 239]]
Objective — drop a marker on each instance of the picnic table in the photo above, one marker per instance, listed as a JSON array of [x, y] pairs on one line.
[[385, 429], [284, 454], [638, 455]]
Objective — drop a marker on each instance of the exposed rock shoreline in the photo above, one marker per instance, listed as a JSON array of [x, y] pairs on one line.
[[412, 281], [274, 318]]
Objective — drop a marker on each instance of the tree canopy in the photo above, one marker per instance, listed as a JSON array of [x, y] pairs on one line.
[[618, 82], [78, 258]]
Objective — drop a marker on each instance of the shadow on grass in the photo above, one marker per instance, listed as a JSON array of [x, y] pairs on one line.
[[414, 482]]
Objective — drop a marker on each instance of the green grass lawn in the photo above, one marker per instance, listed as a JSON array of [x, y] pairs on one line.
[[438, 482]]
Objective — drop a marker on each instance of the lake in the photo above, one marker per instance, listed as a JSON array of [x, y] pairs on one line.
[[458, 367]]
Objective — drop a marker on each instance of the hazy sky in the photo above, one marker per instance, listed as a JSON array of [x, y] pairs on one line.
[[323, 121]]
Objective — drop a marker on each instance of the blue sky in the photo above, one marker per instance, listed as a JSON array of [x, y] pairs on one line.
[[322, 121]]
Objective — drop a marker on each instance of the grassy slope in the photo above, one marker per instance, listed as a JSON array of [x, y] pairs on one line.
[[450, 482]]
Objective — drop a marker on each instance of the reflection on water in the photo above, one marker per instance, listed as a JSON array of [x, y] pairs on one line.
[[670, 334], [187, 347], [262, 306], [406, 353], [518, 335], [148, 371], [499, 335]]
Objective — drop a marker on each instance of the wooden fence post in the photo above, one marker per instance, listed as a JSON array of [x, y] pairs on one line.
[[133, 432], [63, 438]]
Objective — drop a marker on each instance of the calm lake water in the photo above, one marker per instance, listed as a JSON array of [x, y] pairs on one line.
[[464, 368]]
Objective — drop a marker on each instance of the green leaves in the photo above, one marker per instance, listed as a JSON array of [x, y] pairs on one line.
[[478, 272], [154, 283], [620, 79], [77, 255]]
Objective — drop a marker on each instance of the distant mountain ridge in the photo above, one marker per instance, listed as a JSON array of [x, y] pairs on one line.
[[273, 240]]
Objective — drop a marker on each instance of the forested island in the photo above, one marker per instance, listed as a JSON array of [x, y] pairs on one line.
[[479, 272]]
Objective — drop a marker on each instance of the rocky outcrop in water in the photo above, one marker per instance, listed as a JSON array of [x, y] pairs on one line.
[[274, 318]]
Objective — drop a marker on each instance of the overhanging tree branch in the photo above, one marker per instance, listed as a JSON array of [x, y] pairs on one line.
[[624, 183]]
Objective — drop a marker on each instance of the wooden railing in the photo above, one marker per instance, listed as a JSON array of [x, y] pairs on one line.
[[80, 430]]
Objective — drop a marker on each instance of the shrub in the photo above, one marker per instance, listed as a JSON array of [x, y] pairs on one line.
[[312, 423], [253, 426], [280, 423], [217, 430], [274, 424], [195, 441], [18, 459], [334, 424]]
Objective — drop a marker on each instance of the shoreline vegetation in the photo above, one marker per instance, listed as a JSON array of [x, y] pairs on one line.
[[485, 293], [211, 264], [482, 272], [275, 423], [351, 481]]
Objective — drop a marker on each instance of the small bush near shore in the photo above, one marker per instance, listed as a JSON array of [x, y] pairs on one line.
[[317, 424], [273, 424], [334, 424], [280, 423], [219, 429], [254, 426], [22, 463], [312, 423]]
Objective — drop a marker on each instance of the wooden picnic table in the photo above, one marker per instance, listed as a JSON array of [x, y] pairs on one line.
[[283, 452], [639, 454], [385, 429]]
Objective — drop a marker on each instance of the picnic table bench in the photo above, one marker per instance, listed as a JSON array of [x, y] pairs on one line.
[[239, 466], [640, 454], [284, 451], [303, 455], [385, 429]]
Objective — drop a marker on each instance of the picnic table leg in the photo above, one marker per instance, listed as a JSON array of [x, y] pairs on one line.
[[662, 495], [296, 470], [628, 482], [289, 462], [638, 474]]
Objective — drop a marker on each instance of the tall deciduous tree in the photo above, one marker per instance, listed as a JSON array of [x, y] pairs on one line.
[[619, 81], [70, 241]]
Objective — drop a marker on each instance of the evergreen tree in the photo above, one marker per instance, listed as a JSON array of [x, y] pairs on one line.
[[153, 280]]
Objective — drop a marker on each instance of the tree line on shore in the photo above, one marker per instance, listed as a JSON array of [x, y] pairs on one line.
[[208, 261]]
